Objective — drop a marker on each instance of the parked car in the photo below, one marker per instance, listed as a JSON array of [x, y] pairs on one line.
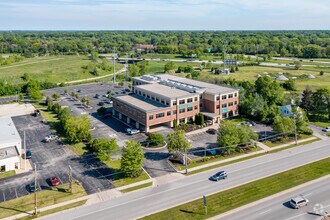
[[28, 154], [79, 90], [132, 131], [36, 113], [97, 96], [218, 176], [32, 187], [50, 138], [100, 103], [327, 129], [108, 102], [211, 131], [211, 151], [298, 202], [54, 181]]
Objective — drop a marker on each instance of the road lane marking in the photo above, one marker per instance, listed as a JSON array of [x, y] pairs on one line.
[[264, 212], [306, 213]]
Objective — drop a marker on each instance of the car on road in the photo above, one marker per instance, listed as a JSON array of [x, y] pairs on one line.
[[298, 202], [327, 129], [28, 154], [54, 181], [219, 175], [211, 131]]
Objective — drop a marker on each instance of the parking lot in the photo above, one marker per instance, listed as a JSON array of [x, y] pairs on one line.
[[53, 159]]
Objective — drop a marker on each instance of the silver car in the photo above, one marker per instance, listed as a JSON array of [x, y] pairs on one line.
[[298, 202]]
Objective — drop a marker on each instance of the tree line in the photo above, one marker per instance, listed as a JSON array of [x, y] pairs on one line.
[[307, 44]]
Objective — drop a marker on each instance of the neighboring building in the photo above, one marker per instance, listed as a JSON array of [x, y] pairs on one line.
[[286, 110], [162, 99], [10, 145], [144, 47]]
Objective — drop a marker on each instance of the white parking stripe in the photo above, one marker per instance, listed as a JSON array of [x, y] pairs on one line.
[[264, 212]]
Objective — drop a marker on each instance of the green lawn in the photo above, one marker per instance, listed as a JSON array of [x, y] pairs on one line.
[[51, 211], [233, 198], [45, 198], [319, 120], [136, 187], [59, 69], [7, 174]]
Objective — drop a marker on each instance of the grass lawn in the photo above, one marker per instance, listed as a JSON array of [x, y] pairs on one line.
[[48, 212], [45, 198], [285, 140], [136, 187], [321, 121], [211, 159], [58, 69], [7, 174], [238, 196]]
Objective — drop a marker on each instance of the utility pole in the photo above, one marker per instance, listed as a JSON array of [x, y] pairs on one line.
[[224, 50], [126, 66], [185, 159], [24, 142], [70, 179], [114, 66], [295, 127], [35, 189]]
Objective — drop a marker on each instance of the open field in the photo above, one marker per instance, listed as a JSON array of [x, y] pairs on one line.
[[238, 196], [45, 198], [57, 69]]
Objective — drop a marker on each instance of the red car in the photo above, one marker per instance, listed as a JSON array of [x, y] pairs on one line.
[[54, 181]]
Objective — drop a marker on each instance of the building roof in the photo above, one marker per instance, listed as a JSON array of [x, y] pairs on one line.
[[163, 90], [8, 152], [141, 103], [8, 132], [199, 86]]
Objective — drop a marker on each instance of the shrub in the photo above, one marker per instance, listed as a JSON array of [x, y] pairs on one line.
[[156, 139]]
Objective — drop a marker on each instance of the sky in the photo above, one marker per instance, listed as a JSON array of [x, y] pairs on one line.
[[164, 14]]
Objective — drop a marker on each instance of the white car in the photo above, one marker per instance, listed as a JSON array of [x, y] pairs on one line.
[[298, 202], [327, 129], [132, 131]]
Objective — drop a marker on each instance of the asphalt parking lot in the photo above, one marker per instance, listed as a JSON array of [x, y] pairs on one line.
[[53, 159]]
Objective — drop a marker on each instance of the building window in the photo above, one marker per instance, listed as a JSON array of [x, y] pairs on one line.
[[218, 98], [189, 109], [144, 95], [174, 112], [224, 115], [160, 115], [200, 105], [140, 93], [218, 106], [235, 94], [167, 103], [182, 110], [182, 120], [224, 97], [148, 96], [230, 104], [235, 102], [174, 102], [230, 96], [200, 97], [189, 100], [157, 99], [168, 113], [163, 102], [196, 107], [151, 117], [196, 99], [182, 101], [224, 105]]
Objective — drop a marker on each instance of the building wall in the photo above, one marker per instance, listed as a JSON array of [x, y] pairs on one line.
[[131, 112], [10, 163]]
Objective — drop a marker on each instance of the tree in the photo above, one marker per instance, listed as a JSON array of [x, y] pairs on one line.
[[132, 159], [169, 66], [321, 73], [105, 147], [321, 100], [297, 65], [35, 94], [289, 85], [56, 96], [311, 51], [77, 129], [133, 70], [49, 101], [283, 125], [177, 141], [269, 89], [246, 134], [26, 77], [199, 119], [307, 101], [94, 55], [101, 111], [228, 134], [155, 139]]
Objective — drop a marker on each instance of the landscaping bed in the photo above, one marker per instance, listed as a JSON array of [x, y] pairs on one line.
[[285, 140]]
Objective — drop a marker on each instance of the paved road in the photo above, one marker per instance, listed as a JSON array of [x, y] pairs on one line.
[[146, 201], [278, 207]]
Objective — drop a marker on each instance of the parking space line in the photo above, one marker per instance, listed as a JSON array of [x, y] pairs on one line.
[[4, 197], [16, 192]]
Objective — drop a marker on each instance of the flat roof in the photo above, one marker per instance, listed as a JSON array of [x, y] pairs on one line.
[[8, 132], [208, 87], [8, 152], [141, 103], [163, 90]]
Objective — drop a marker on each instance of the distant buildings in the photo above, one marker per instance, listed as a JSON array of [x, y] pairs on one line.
[[10, 145], [144, 47], [163, 99]]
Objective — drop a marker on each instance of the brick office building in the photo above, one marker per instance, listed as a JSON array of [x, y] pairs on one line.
[[161, 99]]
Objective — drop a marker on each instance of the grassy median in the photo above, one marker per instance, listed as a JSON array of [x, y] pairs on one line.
[[233, 198]]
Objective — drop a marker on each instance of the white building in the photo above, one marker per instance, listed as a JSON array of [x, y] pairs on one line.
[[10, 145]]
